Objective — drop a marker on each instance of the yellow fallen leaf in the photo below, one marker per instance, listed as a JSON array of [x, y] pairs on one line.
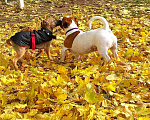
[[128, 53], [91, 115], [130, 30], [142, 111], [17, 105], [114, 112], [104, 103], [7, 26], [33, 112], [143, 34], [125, 11], [143, 118], [7, 116], [69, 117], [22, 95], [111, 87], [1, 69], [11, 81], [91, 97], [33, 62], [62, 69], [59, 94], [136, 52], [112, 77], [57, 81], [3, 79]]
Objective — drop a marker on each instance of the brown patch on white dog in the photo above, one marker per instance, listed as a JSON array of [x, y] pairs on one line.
[[69, 40]]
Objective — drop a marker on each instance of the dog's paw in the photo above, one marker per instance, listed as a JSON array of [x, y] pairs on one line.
[[61, 61]]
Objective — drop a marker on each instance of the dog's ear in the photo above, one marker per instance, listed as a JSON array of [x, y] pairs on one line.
[[44, 24], [66, 22], [76, 21]]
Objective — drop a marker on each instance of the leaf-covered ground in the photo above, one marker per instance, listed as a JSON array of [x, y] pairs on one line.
[[83, 89]]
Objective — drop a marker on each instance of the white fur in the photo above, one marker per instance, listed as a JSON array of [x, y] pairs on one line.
[[61, 18], [102, 38], [105, 23], [73, 25]]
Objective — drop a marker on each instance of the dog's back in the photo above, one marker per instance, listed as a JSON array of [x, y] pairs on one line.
[[22, 38]]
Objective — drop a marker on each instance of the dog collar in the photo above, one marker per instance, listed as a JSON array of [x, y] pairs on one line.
[[70, 30]]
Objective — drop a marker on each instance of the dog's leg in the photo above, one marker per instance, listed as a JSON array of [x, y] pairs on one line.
[[21, 59], [47, 50], [106, 57], [39, 52], [20, 52], [63, 53], [77, 57], [114, 51], [21, 4], [104, 54]]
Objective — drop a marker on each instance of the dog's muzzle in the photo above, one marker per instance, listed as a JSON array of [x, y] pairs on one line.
[[59, 23]]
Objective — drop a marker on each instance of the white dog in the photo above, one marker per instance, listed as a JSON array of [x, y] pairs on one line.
[[79, 42]]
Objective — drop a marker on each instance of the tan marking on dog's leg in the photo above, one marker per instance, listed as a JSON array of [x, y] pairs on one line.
[[47, 50], [20, 53]]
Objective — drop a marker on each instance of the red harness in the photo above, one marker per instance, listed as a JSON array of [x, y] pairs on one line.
[[33, 40]]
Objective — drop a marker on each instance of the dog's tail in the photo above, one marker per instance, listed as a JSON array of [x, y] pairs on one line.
[[9, 42], [104, 21]]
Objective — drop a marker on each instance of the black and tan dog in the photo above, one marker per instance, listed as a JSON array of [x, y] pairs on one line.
[[40, 39]]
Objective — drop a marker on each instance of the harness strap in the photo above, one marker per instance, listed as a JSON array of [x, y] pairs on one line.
[[33, 40]]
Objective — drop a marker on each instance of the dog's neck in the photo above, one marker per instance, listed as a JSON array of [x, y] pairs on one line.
[[49, 28], [71, 29]]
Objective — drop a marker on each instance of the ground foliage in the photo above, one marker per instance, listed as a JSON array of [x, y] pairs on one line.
[[83, 89]]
